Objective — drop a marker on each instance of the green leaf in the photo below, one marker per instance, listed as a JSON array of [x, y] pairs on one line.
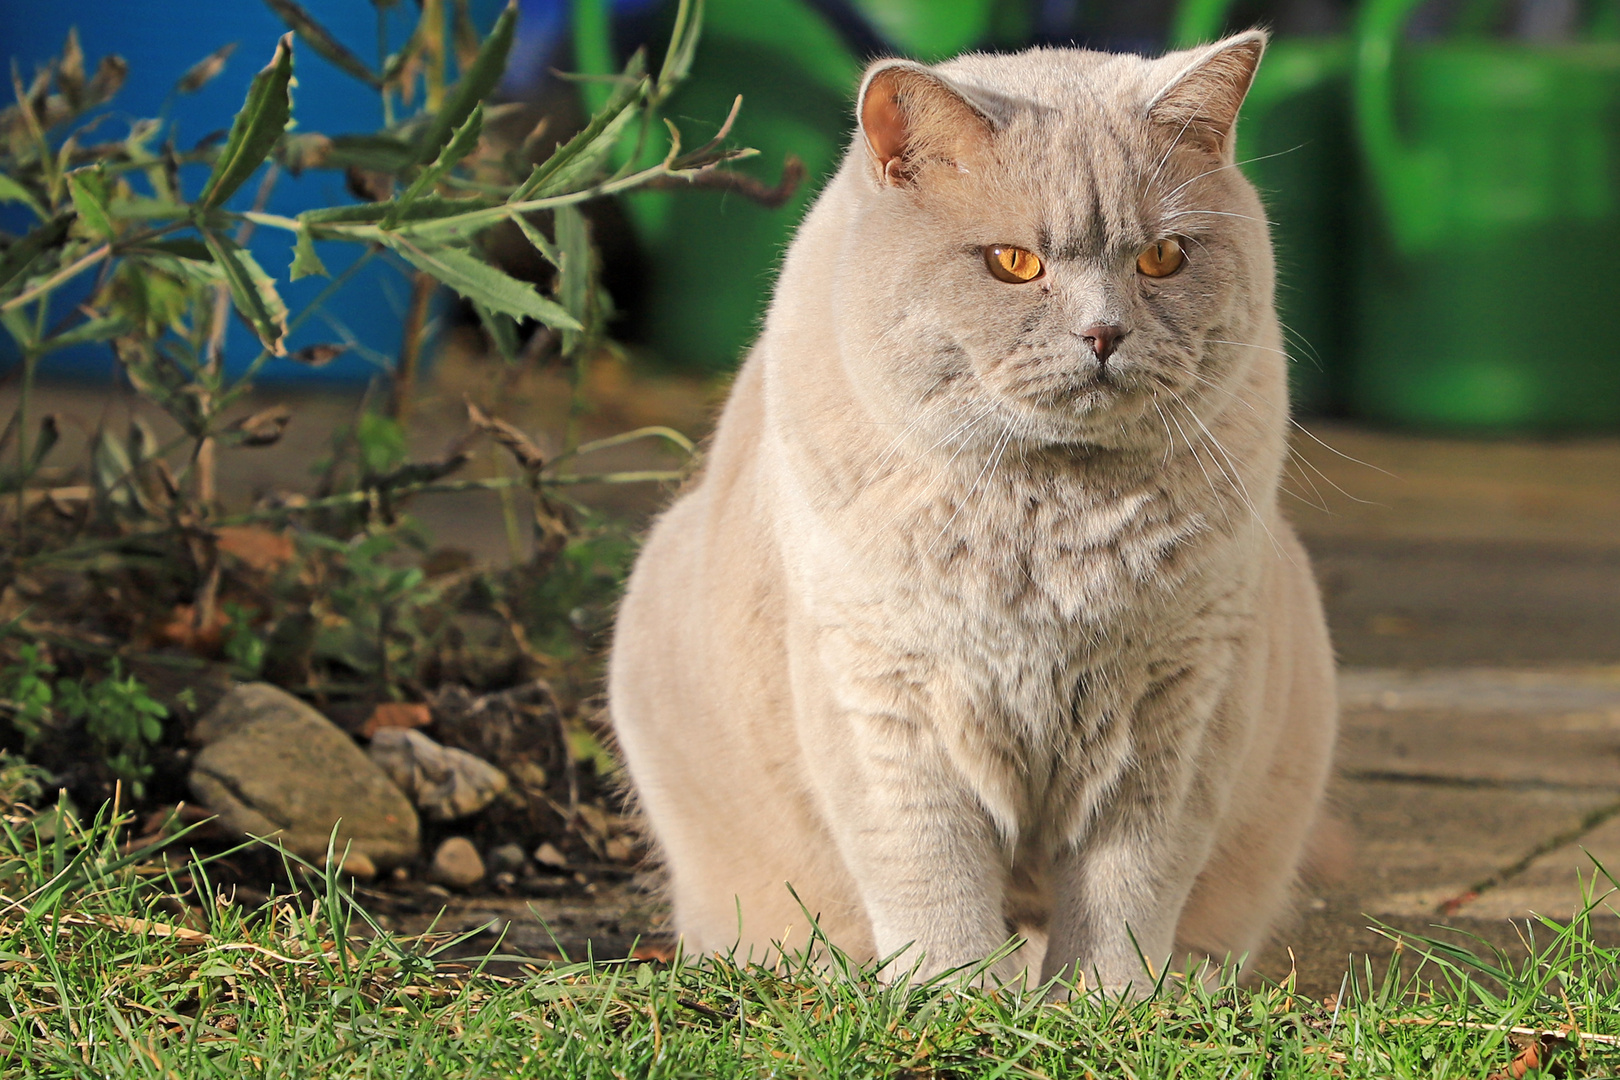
[[321, 40], [502, 330], [263, 118], [581, 155], [252, 290], [462, 143], [88, 188], [22, 254], [475, 84], [183, 247], [577, 285], [88, 332], [425, 208], [12, 191], [683, 41], [546, 248], [306, 263], [377, 153], [483, 284]]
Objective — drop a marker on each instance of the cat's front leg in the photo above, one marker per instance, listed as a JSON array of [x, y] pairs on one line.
[[925, 856], [1116, 900]]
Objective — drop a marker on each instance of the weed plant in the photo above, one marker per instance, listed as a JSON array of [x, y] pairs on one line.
[[130, 559]]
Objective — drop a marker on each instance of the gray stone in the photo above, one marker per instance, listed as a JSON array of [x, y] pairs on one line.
[[272, 766], [508, 857], [443, 782], [457, 864]]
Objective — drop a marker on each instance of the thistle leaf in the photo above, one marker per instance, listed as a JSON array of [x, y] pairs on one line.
[[475, 84], [483, 284], [321, 40], [261, 122], [252, 291], [306, 261], [462, 143], [88, 189]]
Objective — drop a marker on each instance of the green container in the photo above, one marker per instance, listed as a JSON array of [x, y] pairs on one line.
[[1488, 280], [1296, 146], [713, 258]]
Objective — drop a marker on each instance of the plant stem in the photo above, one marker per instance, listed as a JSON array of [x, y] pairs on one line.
[[423, 286], [72, 270]]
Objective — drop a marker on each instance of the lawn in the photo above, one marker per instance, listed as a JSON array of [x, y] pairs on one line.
[[116, 963]]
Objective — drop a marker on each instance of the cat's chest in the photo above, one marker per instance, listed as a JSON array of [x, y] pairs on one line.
[[1037, 556]]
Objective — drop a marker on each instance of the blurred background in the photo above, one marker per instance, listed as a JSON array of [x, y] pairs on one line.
[[1443, 181]]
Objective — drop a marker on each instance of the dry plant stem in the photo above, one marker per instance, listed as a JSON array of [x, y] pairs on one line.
[[72, 270], [30, 363], [1472, 1025], [423, 286], [717, 179]]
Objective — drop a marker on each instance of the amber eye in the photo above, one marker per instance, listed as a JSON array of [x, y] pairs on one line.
[[1161, 258], [1013, 265]]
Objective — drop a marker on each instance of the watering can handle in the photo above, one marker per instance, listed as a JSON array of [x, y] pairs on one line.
[[1405, 178]]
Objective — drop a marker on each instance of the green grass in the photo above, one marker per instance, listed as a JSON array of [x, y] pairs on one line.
[[103, 973]]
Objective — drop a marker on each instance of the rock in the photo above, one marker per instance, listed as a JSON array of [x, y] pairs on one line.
[[548, 855], [457, 864], [508, 857], [272, 766], [443, 782], [356, 864]]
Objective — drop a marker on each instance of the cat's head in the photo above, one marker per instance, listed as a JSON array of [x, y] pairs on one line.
[[1053, 243]]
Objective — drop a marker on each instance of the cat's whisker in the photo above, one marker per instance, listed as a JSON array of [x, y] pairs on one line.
[[1341, 453], [1294, 453], [1200, 213], [1234, 475], [1249, 345], [990, 463]]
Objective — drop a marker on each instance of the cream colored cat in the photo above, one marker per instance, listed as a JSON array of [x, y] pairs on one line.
[[982, 617]]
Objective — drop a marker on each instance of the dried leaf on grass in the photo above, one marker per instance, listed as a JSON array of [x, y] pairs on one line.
[[1536, 1052], [184, 630], [255, 547], [396, 714]]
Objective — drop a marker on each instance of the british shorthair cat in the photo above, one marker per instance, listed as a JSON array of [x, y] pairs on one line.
[[982, 619]]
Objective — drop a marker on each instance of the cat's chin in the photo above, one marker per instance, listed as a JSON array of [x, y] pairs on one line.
[[1100, 414]]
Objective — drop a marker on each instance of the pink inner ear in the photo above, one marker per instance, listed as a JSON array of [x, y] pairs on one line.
[[883, 122]]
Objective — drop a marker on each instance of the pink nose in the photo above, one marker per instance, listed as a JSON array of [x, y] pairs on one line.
[[1103, 339]]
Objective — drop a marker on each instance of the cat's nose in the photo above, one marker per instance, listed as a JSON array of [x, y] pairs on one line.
[[1103, 338]]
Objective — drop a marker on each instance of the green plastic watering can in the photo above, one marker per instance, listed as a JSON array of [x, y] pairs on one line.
[[1295, 143], [1488, 283], [712, 258]]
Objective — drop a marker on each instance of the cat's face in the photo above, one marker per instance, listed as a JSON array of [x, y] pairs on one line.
[[1055, 247]]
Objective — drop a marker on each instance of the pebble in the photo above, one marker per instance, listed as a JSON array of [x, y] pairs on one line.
[[547, 855], [508, 857], [457, 863], [357, 864]]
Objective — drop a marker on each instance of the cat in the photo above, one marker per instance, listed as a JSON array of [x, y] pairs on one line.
[[981, 618]]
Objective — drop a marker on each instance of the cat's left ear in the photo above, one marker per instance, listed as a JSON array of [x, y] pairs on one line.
[[1202, 100], [911, 115]]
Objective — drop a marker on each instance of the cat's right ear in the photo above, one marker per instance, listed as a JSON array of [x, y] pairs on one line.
[[911, 116]]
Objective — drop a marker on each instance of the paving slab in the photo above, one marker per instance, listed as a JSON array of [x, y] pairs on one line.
[[1559, 728], [1553, 883], [1417, 846]]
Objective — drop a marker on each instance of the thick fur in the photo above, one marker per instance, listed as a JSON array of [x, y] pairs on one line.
[[963, 632]]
